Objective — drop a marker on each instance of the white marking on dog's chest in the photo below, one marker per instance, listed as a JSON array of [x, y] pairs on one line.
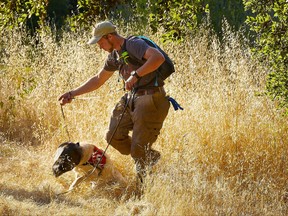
[[87, 151]]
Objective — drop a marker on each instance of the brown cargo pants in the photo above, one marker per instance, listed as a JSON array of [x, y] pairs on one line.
[[144, 116]]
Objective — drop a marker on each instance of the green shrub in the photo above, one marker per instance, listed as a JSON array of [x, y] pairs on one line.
[[271, 28]]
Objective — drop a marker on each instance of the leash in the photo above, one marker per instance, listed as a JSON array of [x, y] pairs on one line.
[[109, 143], [110, 140], [63, 115], [171, 100], [65, 125]]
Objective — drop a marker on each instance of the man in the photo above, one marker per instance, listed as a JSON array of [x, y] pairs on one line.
[[147, 105]]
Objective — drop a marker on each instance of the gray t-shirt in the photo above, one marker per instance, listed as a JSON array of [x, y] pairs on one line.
[[123, 61]]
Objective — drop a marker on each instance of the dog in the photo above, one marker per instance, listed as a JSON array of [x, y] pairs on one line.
[[86, 160]]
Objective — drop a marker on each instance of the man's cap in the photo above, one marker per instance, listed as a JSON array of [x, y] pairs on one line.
[[101, 29]]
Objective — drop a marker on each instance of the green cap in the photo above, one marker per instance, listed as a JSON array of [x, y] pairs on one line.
[[101, 29]]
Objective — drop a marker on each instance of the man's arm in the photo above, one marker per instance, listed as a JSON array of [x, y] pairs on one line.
[[154, 58], [90, 85]]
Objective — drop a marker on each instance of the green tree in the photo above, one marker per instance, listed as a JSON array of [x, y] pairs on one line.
[[33, 15], [179, 17], [232, 10], [90, 10], [270, 23], [27, 14], [175, 16]]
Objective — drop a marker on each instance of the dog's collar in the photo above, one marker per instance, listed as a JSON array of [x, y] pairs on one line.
[[96, 156]]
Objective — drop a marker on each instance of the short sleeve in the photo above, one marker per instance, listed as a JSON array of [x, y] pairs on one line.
[[137, 47]]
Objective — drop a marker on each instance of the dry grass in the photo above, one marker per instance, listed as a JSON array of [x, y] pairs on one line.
[[224, 154]]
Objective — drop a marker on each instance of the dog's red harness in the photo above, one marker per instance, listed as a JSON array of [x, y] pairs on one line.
[[96, 156]]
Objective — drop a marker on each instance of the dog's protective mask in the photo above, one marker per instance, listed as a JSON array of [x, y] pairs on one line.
[[68, 155]]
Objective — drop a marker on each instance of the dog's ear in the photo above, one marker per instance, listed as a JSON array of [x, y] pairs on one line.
[[63, 144], [78, 144]]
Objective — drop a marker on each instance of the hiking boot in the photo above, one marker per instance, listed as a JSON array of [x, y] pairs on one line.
[[139, 187], [154, 157]]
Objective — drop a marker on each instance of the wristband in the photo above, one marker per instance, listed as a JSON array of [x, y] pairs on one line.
[[134, 73], [70, 95]]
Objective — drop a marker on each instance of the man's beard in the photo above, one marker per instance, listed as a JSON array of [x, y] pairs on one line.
[[112, 47]]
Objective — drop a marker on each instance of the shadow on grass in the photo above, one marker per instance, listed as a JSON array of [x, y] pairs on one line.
[[44, 197]]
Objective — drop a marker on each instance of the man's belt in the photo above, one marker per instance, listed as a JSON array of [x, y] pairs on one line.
[[149, 91]]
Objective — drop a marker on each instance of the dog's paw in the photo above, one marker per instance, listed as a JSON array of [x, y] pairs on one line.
[[93, 185], [71, 187]]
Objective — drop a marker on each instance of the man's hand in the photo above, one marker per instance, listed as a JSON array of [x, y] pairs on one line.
[[66, 98], [129, 83]]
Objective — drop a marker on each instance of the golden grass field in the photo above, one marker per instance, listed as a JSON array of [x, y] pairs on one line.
[[224, 154]]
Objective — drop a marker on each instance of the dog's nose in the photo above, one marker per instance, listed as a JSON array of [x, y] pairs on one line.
[[56, 170]]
